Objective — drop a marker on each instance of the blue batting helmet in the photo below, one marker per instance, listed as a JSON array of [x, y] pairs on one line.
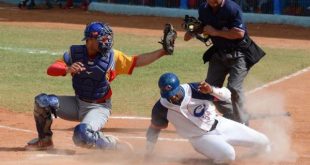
[[102, 32], [169, 85]]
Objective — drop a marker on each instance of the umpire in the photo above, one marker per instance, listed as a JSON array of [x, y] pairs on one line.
[[233, 53]]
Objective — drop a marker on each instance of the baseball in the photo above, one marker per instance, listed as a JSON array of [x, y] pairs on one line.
[[191, 27]]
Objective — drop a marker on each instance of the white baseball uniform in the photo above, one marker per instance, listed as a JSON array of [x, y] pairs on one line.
[[211, 135]]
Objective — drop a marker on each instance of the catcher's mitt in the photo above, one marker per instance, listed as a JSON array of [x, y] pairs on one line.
[[192, 25], [195, 27], [168, 40]]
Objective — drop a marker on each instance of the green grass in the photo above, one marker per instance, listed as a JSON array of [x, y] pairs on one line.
[[23, 74]]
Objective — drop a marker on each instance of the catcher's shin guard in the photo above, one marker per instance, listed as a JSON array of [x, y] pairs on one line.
[[44, 106], [85, 137]]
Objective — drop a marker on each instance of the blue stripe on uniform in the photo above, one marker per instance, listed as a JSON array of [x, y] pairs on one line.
[[159, 115], [198, 95]]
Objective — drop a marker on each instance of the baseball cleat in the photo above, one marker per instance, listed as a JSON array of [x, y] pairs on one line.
[[124, 146], [120, 145], [39, 144]]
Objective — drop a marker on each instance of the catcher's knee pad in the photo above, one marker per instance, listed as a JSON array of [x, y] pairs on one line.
[[44, 106], [48, 102], [84, 136]]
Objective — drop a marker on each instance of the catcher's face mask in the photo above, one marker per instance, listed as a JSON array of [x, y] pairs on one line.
[[102, 33]]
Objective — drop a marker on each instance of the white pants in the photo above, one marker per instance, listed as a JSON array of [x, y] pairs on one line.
[[217, 144]]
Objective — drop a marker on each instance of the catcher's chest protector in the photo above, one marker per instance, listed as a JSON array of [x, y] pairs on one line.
[[92, 83]]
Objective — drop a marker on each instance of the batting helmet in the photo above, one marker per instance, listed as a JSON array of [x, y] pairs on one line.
[[102, 32], [169, 85]]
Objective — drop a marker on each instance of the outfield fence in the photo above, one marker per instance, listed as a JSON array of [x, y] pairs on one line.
[[290, 12], [279, 7]]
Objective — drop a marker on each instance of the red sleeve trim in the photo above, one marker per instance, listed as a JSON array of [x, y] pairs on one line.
[[134, 61], [112, 75], [107, 96], [58, 68]]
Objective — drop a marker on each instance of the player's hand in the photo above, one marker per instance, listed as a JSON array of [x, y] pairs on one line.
[[188, 36], [76, 68], [205, 88], [209, 30]]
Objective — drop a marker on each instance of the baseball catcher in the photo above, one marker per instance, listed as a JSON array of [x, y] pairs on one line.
[[93, 66]]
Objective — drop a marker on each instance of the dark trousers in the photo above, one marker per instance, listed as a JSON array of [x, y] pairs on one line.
[[219, 68]]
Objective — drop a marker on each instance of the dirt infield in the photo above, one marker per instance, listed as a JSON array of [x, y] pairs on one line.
[[292, 147], [290, 135]]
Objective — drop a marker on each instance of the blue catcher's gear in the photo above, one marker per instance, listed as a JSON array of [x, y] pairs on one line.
[[85, 137], [91, 84], [45, 105], [169, 85], [103, 33]]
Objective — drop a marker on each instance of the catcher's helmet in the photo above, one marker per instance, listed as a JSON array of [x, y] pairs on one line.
[[102, 32], [169, 85]]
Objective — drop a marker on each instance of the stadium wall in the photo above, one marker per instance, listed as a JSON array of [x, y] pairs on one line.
[[36, 1], [17, 1], [303, 21]]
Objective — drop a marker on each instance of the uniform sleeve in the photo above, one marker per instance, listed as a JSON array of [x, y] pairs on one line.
[[237, 19], [159, 115], [198, 95], [201, 13], [222, 94], [58, 68], [67, 58], [124, 64]]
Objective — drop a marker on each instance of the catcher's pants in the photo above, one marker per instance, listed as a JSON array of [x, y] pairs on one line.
[[74, 109], [219, 68], [217, 144]]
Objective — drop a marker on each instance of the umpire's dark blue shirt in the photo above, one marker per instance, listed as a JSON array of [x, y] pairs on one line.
[[229, 15]]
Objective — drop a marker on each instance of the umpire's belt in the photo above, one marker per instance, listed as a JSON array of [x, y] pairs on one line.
[[214, 125]]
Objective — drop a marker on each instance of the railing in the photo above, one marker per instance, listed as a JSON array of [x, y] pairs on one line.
[[279, 7]]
